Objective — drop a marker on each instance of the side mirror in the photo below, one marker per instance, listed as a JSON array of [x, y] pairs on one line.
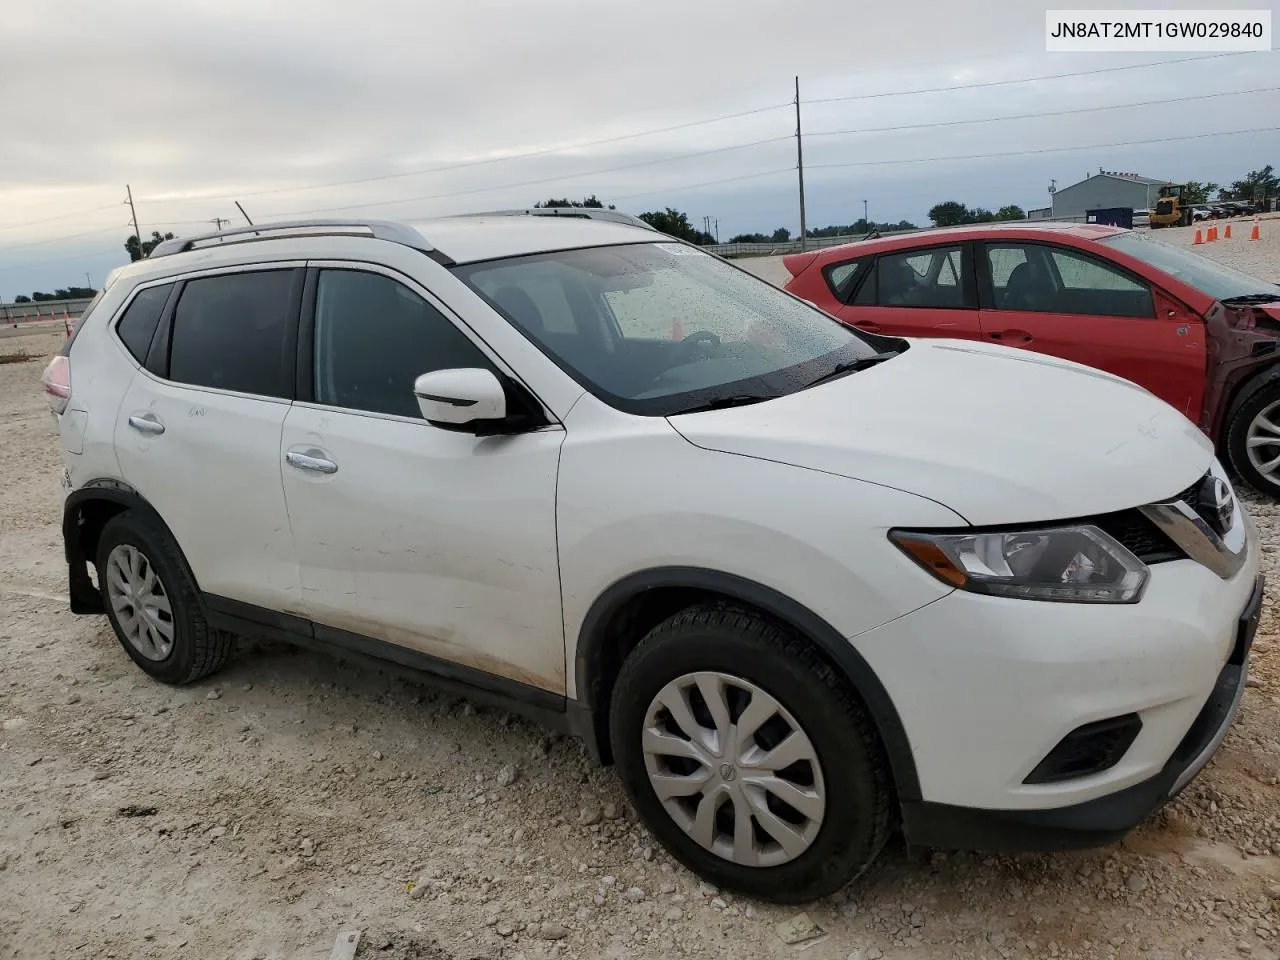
[[465, 399]]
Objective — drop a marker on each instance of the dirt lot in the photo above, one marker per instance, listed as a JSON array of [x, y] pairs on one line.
[[256, 814]]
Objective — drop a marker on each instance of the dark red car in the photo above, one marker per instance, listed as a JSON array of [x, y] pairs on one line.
[[1196, 334]]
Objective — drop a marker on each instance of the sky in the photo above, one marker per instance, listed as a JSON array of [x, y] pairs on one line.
[[453, 106]]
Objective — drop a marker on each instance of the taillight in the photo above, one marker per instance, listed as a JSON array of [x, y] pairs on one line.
[[57, 382]]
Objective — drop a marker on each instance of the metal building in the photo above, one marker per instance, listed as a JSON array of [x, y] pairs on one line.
[[1107, 189]]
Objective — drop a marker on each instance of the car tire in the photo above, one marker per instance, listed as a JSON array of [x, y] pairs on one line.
[[153, 604], [750, 657], [1259, 404]]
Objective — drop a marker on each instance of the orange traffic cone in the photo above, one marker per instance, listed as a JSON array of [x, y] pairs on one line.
[[1226, 232], [1212, 235], [1199, 238], [1255, 234]]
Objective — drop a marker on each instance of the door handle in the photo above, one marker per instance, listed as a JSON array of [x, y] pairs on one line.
[[1016, 337], [147, 423], [313, 460]]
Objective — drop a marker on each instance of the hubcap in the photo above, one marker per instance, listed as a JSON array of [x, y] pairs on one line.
[[734, 769], [1263, 441], [139, 602]]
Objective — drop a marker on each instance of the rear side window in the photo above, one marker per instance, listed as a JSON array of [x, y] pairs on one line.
[[141, 317], [234, 333], [840, 278], [924, 278]]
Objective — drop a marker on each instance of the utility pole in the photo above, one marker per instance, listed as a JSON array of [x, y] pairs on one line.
[[864, 216], [717, 223], [88, 281], [800, 166], [136, 232], [218, 222]]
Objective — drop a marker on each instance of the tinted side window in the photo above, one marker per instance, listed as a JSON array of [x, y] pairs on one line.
[[921, 278], [840, 278], [374, 337], [232, 332], [1043, 279], [138, 325]]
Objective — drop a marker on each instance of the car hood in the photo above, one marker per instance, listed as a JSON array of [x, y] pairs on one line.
[[997, 434]]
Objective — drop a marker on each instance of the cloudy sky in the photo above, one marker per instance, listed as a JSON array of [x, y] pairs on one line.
[[406, 108]]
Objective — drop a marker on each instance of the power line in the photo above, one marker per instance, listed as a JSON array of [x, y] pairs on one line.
[[1052, 76], [709, 183], [61, 216], [74, 236], [564, 148], [1030, 116], [479, 163], [1024, 153], [43, 263], [542, 180]]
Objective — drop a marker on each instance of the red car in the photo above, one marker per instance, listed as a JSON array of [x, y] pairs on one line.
[[1196, 334]]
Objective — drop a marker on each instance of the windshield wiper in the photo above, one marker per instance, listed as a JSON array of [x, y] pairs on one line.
[[852, 366], [1253, 298], [721, 403]]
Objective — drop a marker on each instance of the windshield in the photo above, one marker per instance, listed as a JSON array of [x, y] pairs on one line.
[[663, 328], [1192, 269]]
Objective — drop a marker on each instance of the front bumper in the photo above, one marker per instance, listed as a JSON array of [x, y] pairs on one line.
[[1103, 819]]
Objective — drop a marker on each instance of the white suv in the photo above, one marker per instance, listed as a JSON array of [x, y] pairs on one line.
[[800, 584]]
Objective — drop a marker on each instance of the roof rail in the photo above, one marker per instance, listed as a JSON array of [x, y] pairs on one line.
[[379, 229], [580, 213]]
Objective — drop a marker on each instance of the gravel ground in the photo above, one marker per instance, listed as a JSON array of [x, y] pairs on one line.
[[260, 812]]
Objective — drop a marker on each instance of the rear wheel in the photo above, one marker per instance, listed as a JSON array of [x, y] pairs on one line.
[[153, 604], [748, 757], [1253, 436]]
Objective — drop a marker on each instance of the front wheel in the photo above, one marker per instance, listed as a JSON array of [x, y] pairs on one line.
[[749, 757], [1253, 437]]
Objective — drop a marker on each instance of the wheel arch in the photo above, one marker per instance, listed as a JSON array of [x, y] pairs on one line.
[[629, 608], [84, 513]]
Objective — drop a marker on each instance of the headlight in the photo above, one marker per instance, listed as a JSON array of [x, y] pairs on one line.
[[1079, 564]]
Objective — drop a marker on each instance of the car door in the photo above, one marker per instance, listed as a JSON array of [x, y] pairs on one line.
[[925, 292], [1068, 303], [198, 432], [419, 544]]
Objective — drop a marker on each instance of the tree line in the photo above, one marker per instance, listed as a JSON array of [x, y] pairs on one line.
[[1256, 185], [62, 293]]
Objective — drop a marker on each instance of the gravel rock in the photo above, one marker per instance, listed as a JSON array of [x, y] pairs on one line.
[[611, 811], [589, 816], [417, 891], [308, 847], [214, 694], [505, 928], [634, 894], [507, 775], [1136, 882], [552, 931], [707, 889], [672, 915]]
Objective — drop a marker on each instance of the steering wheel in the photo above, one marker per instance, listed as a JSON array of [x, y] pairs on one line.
[[687, 346]]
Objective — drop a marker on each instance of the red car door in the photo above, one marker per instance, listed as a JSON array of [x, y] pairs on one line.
[[925, 292], [1067, 303]]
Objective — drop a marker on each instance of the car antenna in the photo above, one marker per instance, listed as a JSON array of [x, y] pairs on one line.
[[241, 209]]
